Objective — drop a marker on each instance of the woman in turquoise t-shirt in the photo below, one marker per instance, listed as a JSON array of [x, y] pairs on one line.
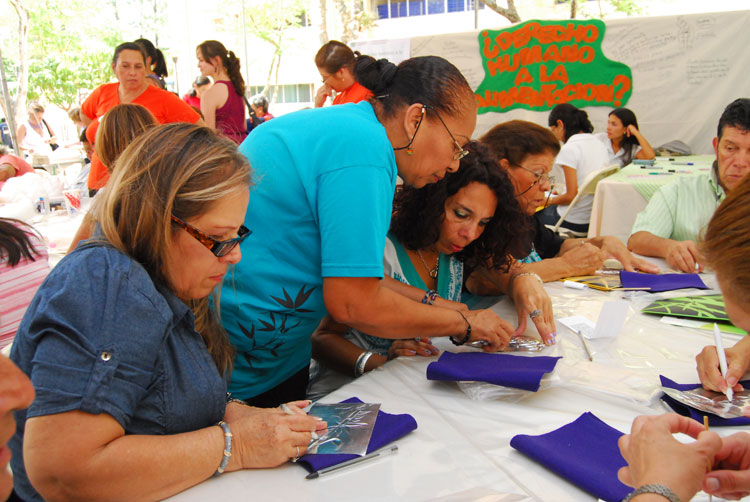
[[438, 235], [320, 213]]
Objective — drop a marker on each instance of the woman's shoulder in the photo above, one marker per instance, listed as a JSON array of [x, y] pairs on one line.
[[101, 267]]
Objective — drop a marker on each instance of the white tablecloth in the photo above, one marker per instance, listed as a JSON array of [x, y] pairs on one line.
[[463, 444], [616, 205]]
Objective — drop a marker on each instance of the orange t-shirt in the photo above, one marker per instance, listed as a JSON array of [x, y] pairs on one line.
[[353, 94], [165, 106]]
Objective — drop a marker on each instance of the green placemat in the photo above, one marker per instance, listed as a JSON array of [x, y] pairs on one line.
[[703, 307]]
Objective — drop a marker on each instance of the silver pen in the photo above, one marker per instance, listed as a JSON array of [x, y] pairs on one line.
[[343, 465]]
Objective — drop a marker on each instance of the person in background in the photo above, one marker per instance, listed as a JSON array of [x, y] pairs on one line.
[[74, 114], [129, 358], [200, 85], [5, 137], [259, 104], [467, 219], [322, 209], [16, 393], [223, 105], [526, 151], [132, 86], [12, 166], [655, 458], [674, 218], [117, 129], [623, 140], [155, 63], [335, 62], [580, 155], [23, 266], [34, 135]]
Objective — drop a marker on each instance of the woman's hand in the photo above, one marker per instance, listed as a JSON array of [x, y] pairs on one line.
[[613, 247], [684, 256], [268, 437], [530, 296], [731, 480], [324, 92], [655, 456], [738, 362], [585, 259], [488, 326], [409, 348]]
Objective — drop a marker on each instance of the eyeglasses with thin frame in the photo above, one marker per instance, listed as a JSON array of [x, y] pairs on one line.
[[540, 178], [218, 248], [459, 152]]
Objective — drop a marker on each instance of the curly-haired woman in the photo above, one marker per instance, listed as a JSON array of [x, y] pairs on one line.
[[439, 234]]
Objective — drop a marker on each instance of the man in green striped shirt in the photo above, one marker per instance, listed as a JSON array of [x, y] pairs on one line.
[[678, 212]]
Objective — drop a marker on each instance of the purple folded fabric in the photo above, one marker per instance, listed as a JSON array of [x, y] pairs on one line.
[[584, 452], [387, 429], [697, 415], [500, 369], [661, 282]]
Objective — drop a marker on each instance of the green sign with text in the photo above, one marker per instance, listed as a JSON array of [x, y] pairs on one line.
[[539, 64]]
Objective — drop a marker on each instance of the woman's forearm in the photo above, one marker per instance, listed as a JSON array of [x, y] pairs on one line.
[[128, 467]]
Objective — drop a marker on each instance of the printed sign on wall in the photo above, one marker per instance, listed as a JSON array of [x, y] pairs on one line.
[[539, 64]]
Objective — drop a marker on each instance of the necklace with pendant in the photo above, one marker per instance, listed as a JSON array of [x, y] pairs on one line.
[[432, 271]]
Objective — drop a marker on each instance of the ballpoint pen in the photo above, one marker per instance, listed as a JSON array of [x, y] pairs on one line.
[[722, 360], [343, 465]]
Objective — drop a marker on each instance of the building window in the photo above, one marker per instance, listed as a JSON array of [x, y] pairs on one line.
[[400, 8]]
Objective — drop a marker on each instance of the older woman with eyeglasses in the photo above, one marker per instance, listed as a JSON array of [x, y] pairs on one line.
[[322, 208], [124, 348], [527, 153]]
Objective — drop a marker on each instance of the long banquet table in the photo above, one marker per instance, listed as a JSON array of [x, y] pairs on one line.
[[620, 197], [461, 450]]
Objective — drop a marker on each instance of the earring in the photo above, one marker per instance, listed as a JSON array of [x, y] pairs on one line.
[[409, 151]]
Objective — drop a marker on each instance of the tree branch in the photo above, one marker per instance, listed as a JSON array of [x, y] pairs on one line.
[[510, 13]]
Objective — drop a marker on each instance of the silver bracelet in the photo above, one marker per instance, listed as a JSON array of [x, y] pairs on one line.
[[654, 488], [227, 447], [513, 279], [359, 366]]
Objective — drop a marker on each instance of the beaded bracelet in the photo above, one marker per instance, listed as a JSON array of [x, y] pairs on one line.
[[227, 447], [429, 297], [359, 366], [468, 331]]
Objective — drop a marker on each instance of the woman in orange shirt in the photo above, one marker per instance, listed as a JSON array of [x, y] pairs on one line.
[[335, 62], [132, 86]]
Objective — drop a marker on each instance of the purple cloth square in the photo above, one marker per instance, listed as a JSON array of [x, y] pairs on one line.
[[661, 282], [387, 429], [584, 452], [697, 415], [500, 369]]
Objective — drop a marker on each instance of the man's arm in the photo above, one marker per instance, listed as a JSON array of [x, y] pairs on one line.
[[682, 255]]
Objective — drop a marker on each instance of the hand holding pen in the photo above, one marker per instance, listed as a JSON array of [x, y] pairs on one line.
[[738, 361]]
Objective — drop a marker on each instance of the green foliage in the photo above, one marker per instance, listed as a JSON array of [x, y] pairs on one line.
[[270, 20], [69, 46], [60, 80]]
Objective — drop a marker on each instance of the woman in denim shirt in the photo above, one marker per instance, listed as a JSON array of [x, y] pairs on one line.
[[123, 348]]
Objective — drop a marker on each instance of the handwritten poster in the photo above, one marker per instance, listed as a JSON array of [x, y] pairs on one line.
[[539, 64]]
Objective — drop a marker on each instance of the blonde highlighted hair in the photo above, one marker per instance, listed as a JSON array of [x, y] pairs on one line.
[[117, 128], [175, 169]]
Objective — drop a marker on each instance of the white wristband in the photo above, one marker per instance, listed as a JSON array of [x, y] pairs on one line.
[[359, 366]]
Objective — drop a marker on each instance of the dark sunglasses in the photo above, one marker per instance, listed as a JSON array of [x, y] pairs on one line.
[[218, 248]]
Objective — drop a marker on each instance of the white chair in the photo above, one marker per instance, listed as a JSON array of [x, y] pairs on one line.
[[588, 187]]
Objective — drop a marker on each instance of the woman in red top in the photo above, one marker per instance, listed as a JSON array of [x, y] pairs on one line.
[[132, 86], [222, 105], [335, 61]]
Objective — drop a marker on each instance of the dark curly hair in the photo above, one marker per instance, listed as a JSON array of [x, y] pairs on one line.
[[417, 213]]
